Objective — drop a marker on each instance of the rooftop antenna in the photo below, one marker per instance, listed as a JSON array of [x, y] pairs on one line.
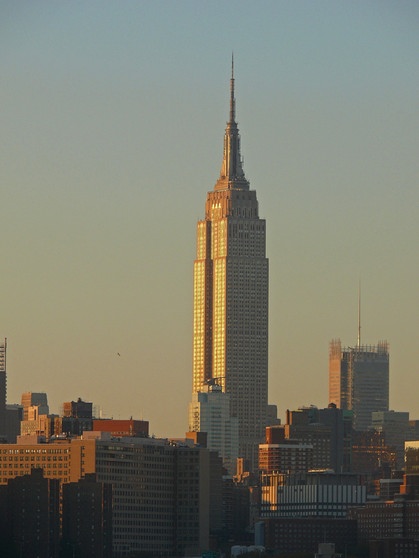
[[232, 99], [359, 314]]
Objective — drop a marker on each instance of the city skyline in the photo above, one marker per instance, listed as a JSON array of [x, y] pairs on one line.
[[111, 132]]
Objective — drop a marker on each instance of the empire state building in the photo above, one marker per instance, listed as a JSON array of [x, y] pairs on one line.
[[230, 328]]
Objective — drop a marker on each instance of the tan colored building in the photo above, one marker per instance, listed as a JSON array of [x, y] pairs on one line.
[[65, 460], [230, 329], [287, 457]]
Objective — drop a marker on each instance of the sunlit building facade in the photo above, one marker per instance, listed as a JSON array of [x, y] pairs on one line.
[[359, 380], [230, 330], [209, 411]]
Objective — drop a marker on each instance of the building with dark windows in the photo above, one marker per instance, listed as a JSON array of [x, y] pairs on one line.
[[87, 518], [312, 494], [78, 409], [32, 518], [285, 536], [10, 415], [230, 328]]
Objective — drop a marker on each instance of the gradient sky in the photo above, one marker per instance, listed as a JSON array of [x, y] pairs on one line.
[[112, 123]]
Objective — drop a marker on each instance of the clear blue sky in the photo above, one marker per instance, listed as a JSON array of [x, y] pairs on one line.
[[112, 123]]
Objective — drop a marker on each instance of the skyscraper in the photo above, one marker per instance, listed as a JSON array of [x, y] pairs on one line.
[[359, 380], [3, 385], [230, 329]]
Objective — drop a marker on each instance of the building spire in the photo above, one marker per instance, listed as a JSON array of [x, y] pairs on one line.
[[232, 173]]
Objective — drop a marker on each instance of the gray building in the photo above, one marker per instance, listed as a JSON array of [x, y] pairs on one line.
[[359, 380], [395, 427], [209, 411], [162, 494], [10, 415]]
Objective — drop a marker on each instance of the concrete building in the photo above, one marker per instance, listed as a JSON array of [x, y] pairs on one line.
[[395, 427], [359, 380], [230, 328], [412, 457], [3, 374], [287, 457], [78, 409], [287, 536], [391, 519], [37, 422], [87, 518], [209, 411], [64, 460], [162, 491], [317, 494], [122, 427], [10, 415], [371, 454], [303, 426], [31, 399], [161, 495], [33, 517], [340, 424]]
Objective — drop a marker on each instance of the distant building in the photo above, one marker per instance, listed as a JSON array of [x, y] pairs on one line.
[[71, 426], [161, 495], [303, 427], [10, 415], [359, 380], [391, 548], [166, 494], [371, 454], [287, 457], [313, 494], [78, 409], [3, 377], [33, 515], [294, 535], [412, 457], [395, 427], [391, 519], [87, 518], [65, 460], [209, 411], [37, 422], [340, 423], [122, 427], [31, 399], [230, 301]]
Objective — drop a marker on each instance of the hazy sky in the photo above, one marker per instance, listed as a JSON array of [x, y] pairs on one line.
[[112, 123]]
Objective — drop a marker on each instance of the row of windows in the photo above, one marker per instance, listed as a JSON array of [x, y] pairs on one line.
[[35, 450]]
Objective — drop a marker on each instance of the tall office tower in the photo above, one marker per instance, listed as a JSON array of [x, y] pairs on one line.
[[230, 330], [359, 380], [3, 385]]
